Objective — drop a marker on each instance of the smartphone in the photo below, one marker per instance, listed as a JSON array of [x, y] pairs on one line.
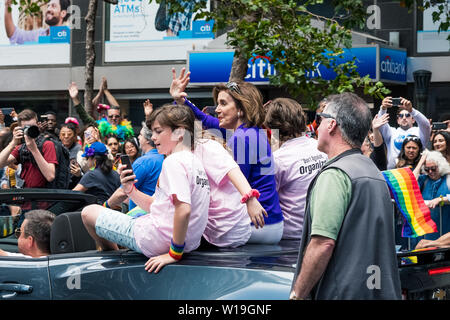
[[396, 102], [7, 111], [439, 126], [124, 159], [44, 117]]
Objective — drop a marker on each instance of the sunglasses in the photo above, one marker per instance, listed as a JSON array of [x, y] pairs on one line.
[[233, 86], [404, 115], [430, 169], [17, 233], [412, 138], [321, 115], [114, 117]]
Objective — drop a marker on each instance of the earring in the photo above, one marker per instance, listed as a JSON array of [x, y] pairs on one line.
[[239, 113]]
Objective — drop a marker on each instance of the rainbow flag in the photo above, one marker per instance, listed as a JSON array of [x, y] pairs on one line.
[[406, 193]]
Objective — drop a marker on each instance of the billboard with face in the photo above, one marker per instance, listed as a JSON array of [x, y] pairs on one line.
[[42, 39], [141, 31]]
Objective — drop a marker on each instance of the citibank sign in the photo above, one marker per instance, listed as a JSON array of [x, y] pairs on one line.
[[379, 63], [392, 64]]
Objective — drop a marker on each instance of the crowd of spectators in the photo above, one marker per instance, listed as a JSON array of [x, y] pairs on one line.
[[254, 162]]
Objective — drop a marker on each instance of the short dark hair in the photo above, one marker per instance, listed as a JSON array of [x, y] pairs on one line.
[[352, 115], [65, 4], [50, 112], [39, 226], [287, 116]]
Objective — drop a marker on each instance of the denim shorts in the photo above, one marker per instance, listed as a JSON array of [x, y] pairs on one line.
[[117, 227]]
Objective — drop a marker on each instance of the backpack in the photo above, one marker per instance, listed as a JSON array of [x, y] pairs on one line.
[[62, 169], [161, 19]]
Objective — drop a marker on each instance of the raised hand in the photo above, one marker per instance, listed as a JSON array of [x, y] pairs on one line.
[[377, 121], [148, 108], [178, 85], [73, 92]]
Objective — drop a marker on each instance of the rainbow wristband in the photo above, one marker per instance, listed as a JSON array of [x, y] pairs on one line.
[[176, 251], [106, 205]]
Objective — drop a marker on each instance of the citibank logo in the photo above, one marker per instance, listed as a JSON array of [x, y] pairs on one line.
[[257, 67], [392, 67]]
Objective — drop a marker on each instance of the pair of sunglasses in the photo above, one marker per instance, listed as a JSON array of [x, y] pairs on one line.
[[321, 115], [430, 169], [404, 115]]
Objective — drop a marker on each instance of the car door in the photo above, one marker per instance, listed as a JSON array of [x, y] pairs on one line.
[[87, 275], [24, 278]]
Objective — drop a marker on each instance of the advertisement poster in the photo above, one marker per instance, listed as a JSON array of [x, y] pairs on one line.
[[149, 33], [429, 39], [34, 40]]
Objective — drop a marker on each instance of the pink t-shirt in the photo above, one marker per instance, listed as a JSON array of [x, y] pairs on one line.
[[182, 174], [296, 164], [228, 221]]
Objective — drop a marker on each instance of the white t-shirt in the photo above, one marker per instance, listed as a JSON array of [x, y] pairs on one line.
[[183, 175], [296, 164], [393, 137], [228, 220]]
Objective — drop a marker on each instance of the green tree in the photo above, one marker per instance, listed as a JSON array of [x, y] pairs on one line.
[[295, 39], [33, 7]]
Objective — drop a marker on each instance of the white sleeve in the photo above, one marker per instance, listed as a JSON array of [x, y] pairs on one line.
[[424, 126]]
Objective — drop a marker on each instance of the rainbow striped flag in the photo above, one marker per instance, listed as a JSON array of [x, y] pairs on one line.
[[406, 193]]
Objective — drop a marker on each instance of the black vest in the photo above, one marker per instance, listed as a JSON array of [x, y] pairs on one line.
[[364, 262]]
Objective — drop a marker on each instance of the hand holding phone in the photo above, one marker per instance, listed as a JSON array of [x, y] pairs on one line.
[[396, 102], [125, 160], [439, 126]]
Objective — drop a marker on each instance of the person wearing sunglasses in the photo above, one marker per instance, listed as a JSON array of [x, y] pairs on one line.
[[240, 117], [33, 236], [410, 153], [348, 216], [406, 117], [433, 176]]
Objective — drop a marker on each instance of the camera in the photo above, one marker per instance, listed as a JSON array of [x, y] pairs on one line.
[[31, 131]]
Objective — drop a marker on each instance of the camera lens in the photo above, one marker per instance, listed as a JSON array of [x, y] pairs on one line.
[[31, 131]]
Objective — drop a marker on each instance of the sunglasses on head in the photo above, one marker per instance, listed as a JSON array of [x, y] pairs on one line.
[[321, 115], [430, 169], [404, 115], [412, 138], [233, 86]]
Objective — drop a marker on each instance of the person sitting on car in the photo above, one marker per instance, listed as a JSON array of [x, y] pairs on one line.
[[33, 236]]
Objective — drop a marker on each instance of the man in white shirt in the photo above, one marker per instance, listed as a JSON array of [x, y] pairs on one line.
[[33, 236], [406, 117]]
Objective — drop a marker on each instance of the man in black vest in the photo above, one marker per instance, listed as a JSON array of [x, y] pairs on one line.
[[347, 249]]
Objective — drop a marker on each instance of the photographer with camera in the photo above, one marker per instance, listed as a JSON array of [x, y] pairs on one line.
[[406, 117], [29, 148]]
